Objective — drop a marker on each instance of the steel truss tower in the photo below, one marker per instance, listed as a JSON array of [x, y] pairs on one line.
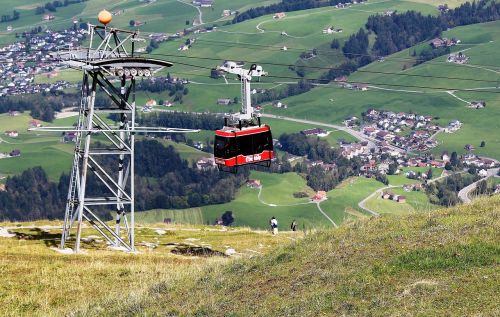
[[110, 68]]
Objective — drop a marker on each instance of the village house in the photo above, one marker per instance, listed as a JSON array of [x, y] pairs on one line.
[[279, 104], [34, 123], [203, 3], [254, 183], [443, 42], [482, 173], [279, 15], [150, 103], [319, 196], [477, 104], [459, 58], [48, 17], [316, 131], [12, 134], [206, 163], [15, 153], [69, 137], [391, 196]]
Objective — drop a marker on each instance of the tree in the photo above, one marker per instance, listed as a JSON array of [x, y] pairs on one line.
[[454, 159], [131, 23], [227, 218], [187, 22], [393, 167], [483, 144], [482, 187], [335, 44], [429, 173]]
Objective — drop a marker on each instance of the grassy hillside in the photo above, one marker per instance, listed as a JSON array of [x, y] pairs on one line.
[[444, 263], [37, 149], [37, 281], [168, 16]]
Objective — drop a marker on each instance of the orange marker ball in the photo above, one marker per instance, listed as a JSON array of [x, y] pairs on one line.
[[104, 17]]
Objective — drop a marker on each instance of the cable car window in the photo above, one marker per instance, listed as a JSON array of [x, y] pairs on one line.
[[263, 141], [245, 143], [224, 147]]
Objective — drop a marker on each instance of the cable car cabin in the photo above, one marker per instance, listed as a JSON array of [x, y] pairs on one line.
[[249, 145]]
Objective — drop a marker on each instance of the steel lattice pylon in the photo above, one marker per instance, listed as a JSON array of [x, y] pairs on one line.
[[104, 148]]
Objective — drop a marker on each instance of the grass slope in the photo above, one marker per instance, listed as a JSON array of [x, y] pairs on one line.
[[276, 199], [37, 149], [444, 263], [37, 281]]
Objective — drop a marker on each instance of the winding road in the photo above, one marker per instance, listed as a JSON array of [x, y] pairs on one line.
[[464, 193]]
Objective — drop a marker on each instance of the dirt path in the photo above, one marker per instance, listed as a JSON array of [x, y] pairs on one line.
[[326, 216]]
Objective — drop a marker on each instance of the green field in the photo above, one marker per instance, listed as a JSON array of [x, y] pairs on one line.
[[415, 201], [342, 203], [37, 149], [277, 200], [167, 16]]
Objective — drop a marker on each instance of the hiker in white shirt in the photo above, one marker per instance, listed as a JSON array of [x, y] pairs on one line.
[[274, 225]]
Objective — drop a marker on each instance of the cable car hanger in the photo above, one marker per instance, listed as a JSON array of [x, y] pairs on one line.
[[243, 139]]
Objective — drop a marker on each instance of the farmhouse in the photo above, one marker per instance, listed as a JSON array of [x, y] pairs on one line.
[[15, 153], [150, 103], [35, 124], [443, 42], [459, 58], [69, 137], [48, 17], [205, 164], [279, 104], [12, 134], [254, 183], [315, 131], [477, 104], [319, 196], [203, 3], [279, 15]]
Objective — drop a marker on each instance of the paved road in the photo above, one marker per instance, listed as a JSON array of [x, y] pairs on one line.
[[464, 194]]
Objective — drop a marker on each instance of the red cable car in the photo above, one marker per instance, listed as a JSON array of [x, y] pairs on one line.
[[237, 146], [244, 141]]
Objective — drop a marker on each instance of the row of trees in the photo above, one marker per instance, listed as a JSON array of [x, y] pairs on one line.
[[301, 87], [402, 30], [445, 193], [355, 49], [9, 18], [182, 120], [40, 108], [52, 6], [286, 6], [161, 84]]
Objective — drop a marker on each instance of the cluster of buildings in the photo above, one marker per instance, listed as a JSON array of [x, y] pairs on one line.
[[203, 3], [332, 30], [453, 126], [342, 82], [391, 196], [21, 61], [443, 42], [478, 104], [474, 160], [387, 126], [459, 58]]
